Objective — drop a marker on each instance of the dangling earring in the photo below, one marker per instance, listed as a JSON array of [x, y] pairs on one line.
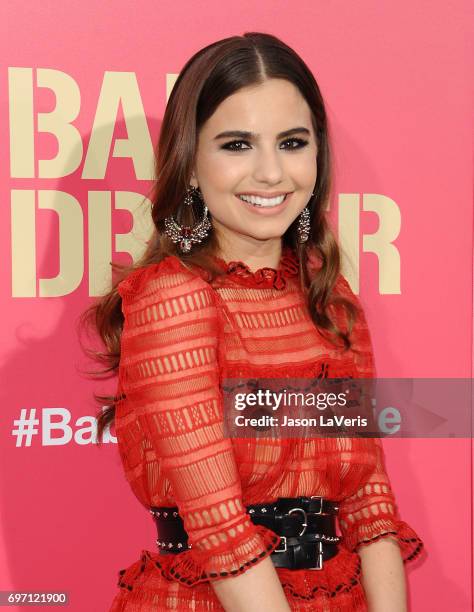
[[303, 224], [185, 236]]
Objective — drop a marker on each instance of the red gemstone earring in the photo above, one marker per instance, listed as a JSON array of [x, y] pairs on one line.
[[186, 236]]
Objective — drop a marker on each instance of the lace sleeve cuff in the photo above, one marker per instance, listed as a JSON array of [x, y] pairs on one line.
[[231, 559], [363, 534]]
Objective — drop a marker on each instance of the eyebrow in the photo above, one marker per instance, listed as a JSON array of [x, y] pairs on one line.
[[251, 135]]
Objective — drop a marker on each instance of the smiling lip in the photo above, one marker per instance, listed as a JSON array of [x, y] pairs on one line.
[[262, 194], [271, 210]]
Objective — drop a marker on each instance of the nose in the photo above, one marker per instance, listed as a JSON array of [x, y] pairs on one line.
[[268, 166]]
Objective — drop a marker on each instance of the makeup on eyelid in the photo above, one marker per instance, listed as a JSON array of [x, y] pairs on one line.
[[300, 142]]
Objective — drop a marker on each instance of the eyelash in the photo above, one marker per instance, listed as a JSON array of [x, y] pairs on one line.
[[301, 143]]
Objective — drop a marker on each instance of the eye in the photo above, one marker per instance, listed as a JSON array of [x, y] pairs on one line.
[[297, 143], [233, 145]]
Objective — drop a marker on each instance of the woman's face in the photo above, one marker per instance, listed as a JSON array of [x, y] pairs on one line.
[[275, 158]]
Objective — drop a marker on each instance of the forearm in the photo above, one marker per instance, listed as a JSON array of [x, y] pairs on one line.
[[259, 588], [383, 576]]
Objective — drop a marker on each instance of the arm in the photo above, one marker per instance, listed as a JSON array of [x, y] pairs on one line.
[[371, 526], [169, 371], [258, 589], [369, 518], [383, 576]]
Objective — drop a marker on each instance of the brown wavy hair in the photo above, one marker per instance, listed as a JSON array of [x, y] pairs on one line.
[[207, 79]]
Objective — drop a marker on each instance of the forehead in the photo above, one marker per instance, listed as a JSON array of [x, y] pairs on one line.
[[272, 106]]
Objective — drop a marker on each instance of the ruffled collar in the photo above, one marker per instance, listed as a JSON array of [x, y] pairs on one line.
[[263, 277]]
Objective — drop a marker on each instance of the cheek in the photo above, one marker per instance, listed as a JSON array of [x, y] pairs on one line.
[[303, 170], [219, 173]]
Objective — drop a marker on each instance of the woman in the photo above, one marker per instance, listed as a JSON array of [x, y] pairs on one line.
[[241, 279]]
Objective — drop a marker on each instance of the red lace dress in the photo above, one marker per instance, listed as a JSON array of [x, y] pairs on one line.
[[181, 336]]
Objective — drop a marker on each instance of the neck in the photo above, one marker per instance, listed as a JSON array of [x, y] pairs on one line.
[[255, 254]]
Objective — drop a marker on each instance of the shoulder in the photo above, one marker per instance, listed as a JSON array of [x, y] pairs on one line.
[[167, 278]]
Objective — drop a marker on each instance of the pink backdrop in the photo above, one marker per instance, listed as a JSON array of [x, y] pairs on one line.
[[396, 79]]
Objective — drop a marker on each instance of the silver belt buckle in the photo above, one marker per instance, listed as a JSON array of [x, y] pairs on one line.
[[320, 503], [282, 539], [319, 560], [304, 525], [305, 518]]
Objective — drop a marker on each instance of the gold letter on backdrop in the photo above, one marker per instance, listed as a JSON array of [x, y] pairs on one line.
[[20, 103], [100, 234], [100, 241], [349, 237], [59, 123], [23, 228], [134, 241], [379, 243], [119, 87], [71, 243]]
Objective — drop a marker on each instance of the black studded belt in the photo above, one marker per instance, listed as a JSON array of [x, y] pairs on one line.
[[306, 526]]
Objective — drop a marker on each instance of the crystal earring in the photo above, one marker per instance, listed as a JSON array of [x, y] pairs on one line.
[[185, 236], [304, 226]]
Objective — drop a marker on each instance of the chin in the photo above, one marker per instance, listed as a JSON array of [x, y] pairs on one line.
[[268, 228], [266, 235]]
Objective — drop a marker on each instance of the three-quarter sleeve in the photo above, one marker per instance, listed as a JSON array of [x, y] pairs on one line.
[[371, 512], [170, 372]]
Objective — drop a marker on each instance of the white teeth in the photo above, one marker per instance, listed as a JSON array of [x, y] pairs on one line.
[[258, 201]]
